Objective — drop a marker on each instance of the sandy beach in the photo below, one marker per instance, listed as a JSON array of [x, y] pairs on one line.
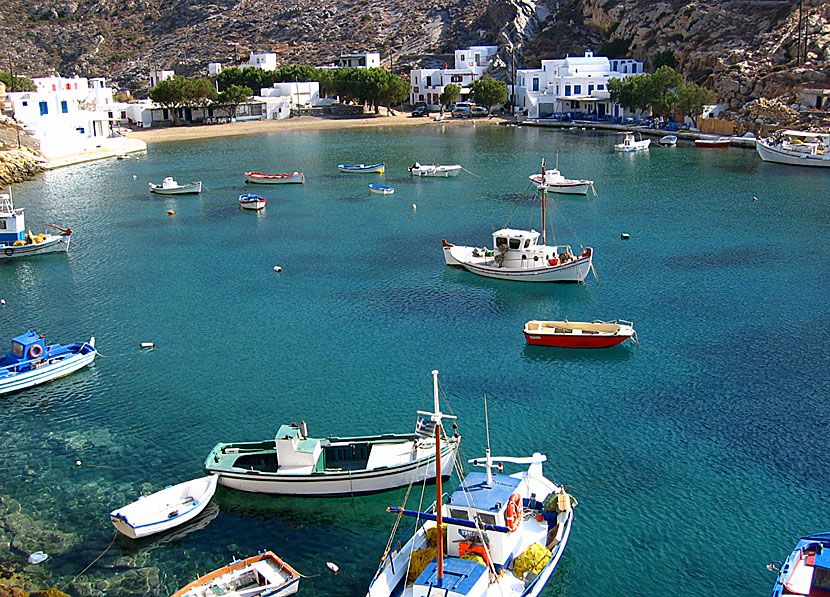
[[180, 133]]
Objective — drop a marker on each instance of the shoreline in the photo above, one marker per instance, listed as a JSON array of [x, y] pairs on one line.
[[298, 123]]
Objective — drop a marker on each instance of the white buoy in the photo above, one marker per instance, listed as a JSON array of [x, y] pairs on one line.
[[134, 176], [414, 207], [625, 236], [277, 268], [3, 302], [755, 198], [333, 567], [78, 463], [147, 344], [37, 557]]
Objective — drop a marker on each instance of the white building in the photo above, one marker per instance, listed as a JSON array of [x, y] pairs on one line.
[[265, 61], [300, 94], [577, 86], [157, 76], [214, 68], [427, 84], [68, 115], [361, 60]]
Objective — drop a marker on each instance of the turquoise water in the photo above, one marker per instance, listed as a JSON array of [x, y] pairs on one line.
[[697, 456]]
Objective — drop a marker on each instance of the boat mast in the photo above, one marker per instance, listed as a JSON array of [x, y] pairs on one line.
[[544, 223], [439, 490]]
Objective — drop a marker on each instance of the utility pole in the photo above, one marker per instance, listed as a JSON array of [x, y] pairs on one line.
[[798, 49]]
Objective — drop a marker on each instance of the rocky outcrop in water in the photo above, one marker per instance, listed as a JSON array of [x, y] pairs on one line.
[[17, 165]]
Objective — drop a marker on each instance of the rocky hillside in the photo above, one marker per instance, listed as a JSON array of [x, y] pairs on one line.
[[745, 49]]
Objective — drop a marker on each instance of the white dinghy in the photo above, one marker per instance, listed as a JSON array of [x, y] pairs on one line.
[[164, 509]]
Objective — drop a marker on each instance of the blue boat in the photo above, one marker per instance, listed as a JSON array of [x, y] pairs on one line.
[[15, 241], [251, 201], [381, 189], [378, 168], [31, 361], [807, 570]]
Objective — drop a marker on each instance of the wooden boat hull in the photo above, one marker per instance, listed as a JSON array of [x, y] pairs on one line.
[[202, 587], [361, 169], [52, 244], [578, 334], [779, 155], [188, 189], [259, 178], [84, 355], [330, 483], [165, 509], [566, 341]]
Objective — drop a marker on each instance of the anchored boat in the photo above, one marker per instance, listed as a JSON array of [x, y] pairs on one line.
[[361, 168], [165, 509], [381, 189], [31, 361], [797, 148], [15, 241], [554, 182], [295, 464], [251, 201], [807, 570], [170, 187], [517, 255], [498, 535], [260, 178], [262, 575], [579, 334], [631, 143], [436, 170]]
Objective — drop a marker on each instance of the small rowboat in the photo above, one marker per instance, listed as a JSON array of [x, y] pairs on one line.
[[579, 334], [358, 168], [381, 189], [723, 142], [807, 570], [170, 187], [668, 140], [31, 362], [260, 178], [251, 201], [164, 509], [257, 576], [436, 170]]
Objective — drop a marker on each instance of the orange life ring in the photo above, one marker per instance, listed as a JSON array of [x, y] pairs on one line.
[[35, 350], [513, 514]]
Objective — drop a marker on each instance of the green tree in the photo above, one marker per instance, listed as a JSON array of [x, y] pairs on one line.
[[665, 58], [630, 93], [449, 95], [661, 90], [171, 94], [297, 73], [488, 92], [393, 90], [199, 91], [228, 77], [232, 97], [16, 83], [691, 99]]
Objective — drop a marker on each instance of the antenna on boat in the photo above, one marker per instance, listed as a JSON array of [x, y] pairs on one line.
[[437, 417], [487, 453], [544, 199]]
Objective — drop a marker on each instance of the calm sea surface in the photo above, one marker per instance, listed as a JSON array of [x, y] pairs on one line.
[[697, 457]]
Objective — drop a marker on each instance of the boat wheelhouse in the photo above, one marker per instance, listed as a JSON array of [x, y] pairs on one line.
[[15, 241]]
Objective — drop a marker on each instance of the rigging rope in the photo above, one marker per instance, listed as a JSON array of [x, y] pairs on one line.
[[92, 562]]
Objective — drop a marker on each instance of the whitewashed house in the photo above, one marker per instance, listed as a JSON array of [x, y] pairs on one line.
[[265, 60], [577, 86], [303, 94], [157, 76], [427, 84], [359, 60], [214, 68]]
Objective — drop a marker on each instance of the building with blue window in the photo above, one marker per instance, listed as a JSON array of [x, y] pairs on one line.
[[427, 84], [573, 86]]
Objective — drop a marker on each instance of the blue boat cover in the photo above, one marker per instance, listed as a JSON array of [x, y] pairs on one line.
[[460, 576], [483, 497]]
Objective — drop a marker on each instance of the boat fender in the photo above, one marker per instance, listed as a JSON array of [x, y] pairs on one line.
[[277, 268], [513, 513], [9, 251], [35, 350], [553, 261], [37, 557], [625, 236]]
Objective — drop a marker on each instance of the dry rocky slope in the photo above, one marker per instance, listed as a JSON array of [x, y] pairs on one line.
[[744, 49]]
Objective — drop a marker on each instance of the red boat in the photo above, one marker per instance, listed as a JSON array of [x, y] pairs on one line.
[[579, 334], [260, 178], [722, 142]]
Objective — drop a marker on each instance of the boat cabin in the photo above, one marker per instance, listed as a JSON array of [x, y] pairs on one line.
[[12, 224], [296, 453], [513, 248], [25, 347]]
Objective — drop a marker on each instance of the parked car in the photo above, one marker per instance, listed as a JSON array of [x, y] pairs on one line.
[[420, 111], [479, 111], [462, 110]]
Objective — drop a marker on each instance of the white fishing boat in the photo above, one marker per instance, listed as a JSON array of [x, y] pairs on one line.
[[16, 241], [165, 509], [631, 143], [263, 575], [797, 148], [260, 178], [381, 189], [251, 201], [436, 170], [496, 536], [668, 140], [295, 464], [170, 187], [518, 255], [31, 361], [554, 182]]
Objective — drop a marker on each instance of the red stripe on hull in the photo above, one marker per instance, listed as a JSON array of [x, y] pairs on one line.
[[568, 341]]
